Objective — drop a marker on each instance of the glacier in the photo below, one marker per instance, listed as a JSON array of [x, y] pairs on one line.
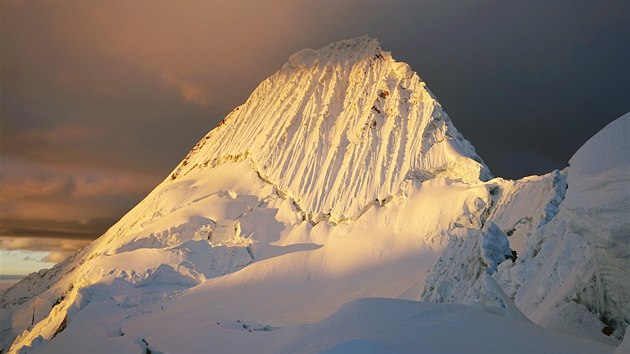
[[319, 212]]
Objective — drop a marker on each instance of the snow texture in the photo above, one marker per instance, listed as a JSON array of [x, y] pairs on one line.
[[398, 326], [338, 128], [573, 236], [341, 178], [582, 256]]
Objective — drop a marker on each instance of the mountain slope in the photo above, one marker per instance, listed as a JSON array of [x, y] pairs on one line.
[[340, 178]]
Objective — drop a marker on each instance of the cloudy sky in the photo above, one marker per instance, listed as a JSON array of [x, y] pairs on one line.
[[99, 101]]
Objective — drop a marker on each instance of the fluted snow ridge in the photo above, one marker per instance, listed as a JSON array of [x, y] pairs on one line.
[[340, 127]]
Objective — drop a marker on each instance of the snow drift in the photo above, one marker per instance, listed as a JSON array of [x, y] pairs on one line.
[[340, 178]]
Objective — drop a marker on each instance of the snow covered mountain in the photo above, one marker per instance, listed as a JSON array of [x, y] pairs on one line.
[[338, 129], [342, 178]]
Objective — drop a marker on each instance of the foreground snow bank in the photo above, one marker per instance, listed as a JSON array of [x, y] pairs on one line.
[[397, 326]]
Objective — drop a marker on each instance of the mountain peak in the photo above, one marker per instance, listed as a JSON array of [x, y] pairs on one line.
[[339, 128], [363, 41], [347, 50]]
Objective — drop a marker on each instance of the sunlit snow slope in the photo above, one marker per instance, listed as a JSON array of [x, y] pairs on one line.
[[340, 178]]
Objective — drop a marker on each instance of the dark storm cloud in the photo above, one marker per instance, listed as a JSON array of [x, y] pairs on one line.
[[99, 101], [526, 82], [147, 80]]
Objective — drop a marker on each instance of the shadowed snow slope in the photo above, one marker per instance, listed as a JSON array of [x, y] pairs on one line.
[[398, 326], [577, 264], [598, 209], [572, 232], [340, 178]]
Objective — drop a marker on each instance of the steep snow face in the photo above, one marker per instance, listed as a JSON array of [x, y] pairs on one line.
[[523, 206], [597, 210], [572, 235], [338, 128], [579, 261], [599, 194], [518, 210]]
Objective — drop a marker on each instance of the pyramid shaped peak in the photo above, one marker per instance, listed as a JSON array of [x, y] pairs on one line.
[[339, 127]]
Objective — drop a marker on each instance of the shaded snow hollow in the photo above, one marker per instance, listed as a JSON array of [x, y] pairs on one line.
[[341, 178]]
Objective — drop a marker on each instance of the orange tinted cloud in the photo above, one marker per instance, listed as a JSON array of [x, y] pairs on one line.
[[74, 202], [222, 44], [57, 248], [191, 92], [41, 244]]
